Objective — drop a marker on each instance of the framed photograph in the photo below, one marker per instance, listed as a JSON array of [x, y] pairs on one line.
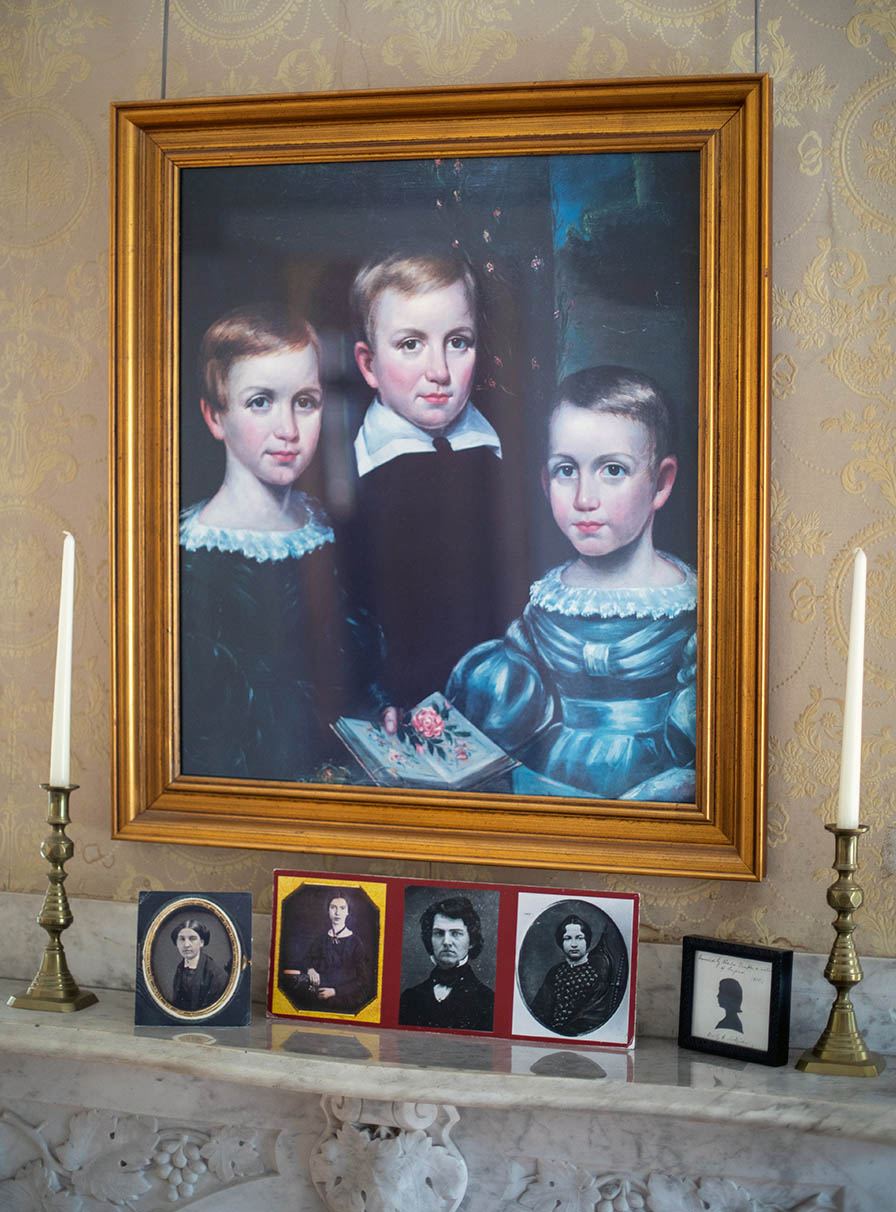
[[194, 954], [439, 436], [327, 944], [735, 1000], [575, 968], [449, 958], [479, 960]]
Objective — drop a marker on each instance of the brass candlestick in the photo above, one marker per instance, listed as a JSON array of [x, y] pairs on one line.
[[840, 1049], [54, 987]]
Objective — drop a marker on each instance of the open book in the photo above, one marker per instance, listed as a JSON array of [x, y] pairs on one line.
[[435, 746]]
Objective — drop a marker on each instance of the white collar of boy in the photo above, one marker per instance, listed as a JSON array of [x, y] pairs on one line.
[[384, 435], [260, 545]]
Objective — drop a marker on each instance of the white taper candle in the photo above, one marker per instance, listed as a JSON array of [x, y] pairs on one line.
[[851, 754], [60, 743]]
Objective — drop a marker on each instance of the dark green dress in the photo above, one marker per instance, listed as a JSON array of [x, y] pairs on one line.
[[271, 652]]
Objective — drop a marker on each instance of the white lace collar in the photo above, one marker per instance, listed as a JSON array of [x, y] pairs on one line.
[[261, 545], [551, 593]]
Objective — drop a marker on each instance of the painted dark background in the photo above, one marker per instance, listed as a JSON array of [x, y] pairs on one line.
[[581, 259]]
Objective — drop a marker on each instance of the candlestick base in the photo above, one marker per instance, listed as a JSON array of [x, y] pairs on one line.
[[840, 1050], [54, 987], [31, 1001]]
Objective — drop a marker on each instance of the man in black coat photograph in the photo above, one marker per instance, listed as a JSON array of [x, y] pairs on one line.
[[452, 995]]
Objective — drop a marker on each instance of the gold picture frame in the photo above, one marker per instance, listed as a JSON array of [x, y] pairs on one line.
[[724, 124]]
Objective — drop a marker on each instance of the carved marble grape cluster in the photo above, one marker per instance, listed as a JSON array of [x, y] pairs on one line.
[[178, 1162]]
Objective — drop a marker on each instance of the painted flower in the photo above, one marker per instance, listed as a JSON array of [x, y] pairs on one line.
[[536, 262], [428, 723], [497, 212]]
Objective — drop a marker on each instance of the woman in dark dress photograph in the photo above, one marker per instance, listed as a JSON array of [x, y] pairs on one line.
[[334, 976], [576, 995], [198, 979]]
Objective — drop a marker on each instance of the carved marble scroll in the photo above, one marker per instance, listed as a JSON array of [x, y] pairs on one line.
[[388, 1156]]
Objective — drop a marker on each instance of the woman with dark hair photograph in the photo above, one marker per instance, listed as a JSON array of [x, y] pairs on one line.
[[576, 995], [198, 980], [334, 975]]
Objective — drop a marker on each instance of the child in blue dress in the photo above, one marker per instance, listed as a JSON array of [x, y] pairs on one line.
[[271, 651], [594, 688]]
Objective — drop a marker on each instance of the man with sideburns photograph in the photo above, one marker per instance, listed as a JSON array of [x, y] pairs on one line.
[[452, 996]]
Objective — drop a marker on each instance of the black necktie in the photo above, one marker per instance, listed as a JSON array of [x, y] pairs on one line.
[[441, 445]]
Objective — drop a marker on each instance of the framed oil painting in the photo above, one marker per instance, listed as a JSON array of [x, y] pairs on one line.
[[440, 470]]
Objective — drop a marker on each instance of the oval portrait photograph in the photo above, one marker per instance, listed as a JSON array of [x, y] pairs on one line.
[[191, 959], [572, 968]]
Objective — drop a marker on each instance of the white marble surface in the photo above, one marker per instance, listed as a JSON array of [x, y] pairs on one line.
[[101, 951], [658, 1078], [536, 1123]]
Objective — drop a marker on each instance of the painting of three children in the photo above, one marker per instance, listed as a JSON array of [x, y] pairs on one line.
[[295, 612]]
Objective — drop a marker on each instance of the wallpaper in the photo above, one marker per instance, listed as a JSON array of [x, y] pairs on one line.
[[834, 373]]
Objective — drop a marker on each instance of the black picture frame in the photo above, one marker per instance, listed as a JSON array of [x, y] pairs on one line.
[[225, 925], [752, 994]]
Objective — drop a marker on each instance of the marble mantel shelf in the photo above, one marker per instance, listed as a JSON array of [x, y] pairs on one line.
[[657, 1078]]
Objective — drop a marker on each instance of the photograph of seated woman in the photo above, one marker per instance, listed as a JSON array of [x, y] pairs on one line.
[[198, 979], [578, 994], [334, 975], [594, 687]]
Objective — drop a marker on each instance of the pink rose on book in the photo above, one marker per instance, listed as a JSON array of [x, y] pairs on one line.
[[428, 723]]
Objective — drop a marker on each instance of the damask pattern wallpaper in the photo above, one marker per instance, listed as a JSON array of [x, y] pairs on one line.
[[834, 383]]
